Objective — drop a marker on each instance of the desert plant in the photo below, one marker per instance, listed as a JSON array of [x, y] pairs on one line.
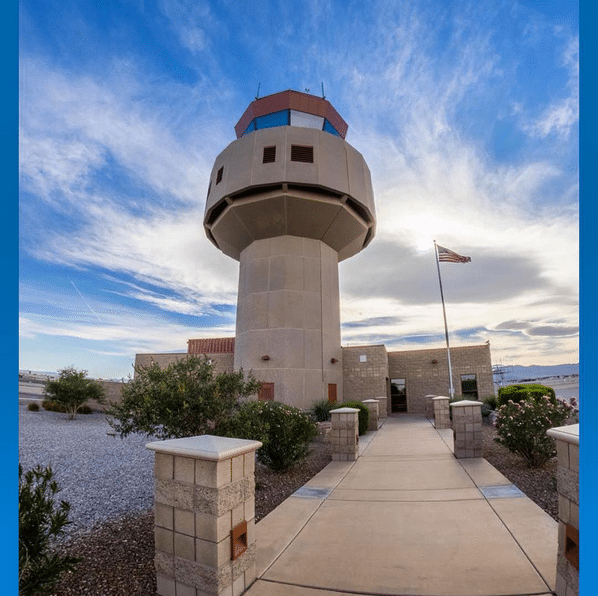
[[72, 389], [491, 401], [285, 432], [184, 399], [33, 407], [521, 427], [363, 415], [52, 406], [486, 409], [320, 410], [40, 522], [517, 393]]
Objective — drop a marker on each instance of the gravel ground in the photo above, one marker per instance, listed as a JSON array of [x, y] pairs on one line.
[[118, 473]]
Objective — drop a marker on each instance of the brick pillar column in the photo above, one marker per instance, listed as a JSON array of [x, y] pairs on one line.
[[567, 567], [383, 407], [204, 504], [441, 412], [344, 434], [429, 406], [467, 428], [373, 406]]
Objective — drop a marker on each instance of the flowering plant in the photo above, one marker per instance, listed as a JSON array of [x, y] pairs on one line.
[[521, 427]]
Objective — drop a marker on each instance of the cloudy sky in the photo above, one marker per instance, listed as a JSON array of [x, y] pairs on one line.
[[465, 111]]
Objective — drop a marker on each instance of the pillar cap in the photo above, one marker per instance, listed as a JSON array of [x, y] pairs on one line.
[[569, 433], [369, 401], [207, 447], [466, 402], [440, 397], [344, 411]]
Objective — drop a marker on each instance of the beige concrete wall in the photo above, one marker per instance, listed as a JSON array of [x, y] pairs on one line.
[[288, 310], [221, 362], [364, 380], [423, 376]]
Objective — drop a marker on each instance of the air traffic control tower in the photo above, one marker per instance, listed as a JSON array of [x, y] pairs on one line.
[[290, 199]]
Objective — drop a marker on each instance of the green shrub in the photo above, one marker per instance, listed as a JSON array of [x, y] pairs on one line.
[[517, 393], [52, 406], [521, 427], [363, 416], [321, 410], [486, 409], [40, 521], [491, 400], [33, 407], [284, 431]]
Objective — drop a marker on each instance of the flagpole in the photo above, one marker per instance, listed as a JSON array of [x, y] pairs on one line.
[[448, 350]]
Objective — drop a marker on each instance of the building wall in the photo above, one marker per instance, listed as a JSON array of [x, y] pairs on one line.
[[221, 362], [365, 380], [424, 377]]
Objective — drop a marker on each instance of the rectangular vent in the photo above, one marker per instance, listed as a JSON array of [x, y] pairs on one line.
[[269, 154], [219, 175], [266, 392], [302, 153]]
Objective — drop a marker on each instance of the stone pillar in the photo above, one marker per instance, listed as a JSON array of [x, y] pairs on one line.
[[372, 405], [383, 407], [467, 428], [567, 569], [344, 434], [204, 515], [441, 412], [429, 407]]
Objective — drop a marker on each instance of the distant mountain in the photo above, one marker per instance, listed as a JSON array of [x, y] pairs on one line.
[[521, 373]]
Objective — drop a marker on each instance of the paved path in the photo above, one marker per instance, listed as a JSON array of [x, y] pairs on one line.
[[406, 518]]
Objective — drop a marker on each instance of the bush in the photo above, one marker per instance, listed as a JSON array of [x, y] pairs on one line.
[[490, 400], [486, 409], [517, 393], [522, 426], [72, 389], [52, 406], [284, 431], [39, 523], [33, 407], [321, 410], [363, 416], [85, 409]]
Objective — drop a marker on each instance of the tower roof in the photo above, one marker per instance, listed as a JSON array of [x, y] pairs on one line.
[[280, 109]]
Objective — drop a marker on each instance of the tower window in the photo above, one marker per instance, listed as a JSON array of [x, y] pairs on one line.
[[219, 175], [269, 154], [302, 153]]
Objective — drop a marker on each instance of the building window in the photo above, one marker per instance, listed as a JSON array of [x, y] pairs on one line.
[[219, 175], [302, 153], [363, 358], [469, 387], [269, 154], [266, 392]]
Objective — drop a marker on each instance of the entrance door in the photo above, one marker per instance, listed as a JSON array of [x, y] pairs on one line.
[[398, 395]]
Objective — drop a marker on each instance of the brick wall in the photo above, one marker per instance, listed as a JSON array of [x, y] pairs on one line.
[[423, 376], [364, 380]]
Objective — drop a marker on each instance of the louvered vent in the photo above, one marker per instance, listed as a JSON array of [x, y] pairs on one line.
[[302, 153], [219, 175], [269, 154]]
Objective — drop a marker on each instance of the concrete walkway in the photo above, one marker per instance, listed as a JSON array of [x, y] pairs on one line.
[[406, 518]]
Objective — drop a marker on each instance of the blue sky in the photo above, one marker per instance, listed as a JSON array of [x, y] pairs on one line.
[[465, 111]]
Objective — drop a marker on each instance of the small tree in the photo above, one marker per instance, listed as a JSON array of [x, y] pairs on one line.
[[181, 400], [72, 389], [40, 521]]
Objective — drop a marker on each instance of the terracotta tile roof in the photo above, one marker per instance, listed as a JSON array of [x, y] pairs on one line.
[[215, 345]]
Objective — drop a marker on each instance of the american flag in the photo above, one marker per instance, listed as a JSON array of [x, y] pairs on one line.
[[448, 256]]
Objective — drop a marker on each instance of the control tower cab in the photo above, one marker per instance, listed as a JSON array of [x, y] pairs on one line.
[[289, 199]]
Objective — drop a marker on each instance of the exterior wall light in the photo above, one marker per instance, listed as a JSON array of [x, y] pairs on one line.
[[434, 361], [266, 357], [333, 360]]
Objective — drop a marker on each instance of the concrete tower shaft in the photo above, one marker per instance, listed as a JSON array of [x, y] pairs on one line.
[[289, 199]]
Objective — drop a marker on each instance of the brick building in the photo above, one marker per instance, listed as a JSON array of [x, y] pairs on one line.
[[405, 377]]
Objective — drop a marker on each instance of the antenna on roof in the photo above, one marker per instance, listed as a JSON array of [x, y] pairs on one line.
[[323, 96], [258, 91]]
